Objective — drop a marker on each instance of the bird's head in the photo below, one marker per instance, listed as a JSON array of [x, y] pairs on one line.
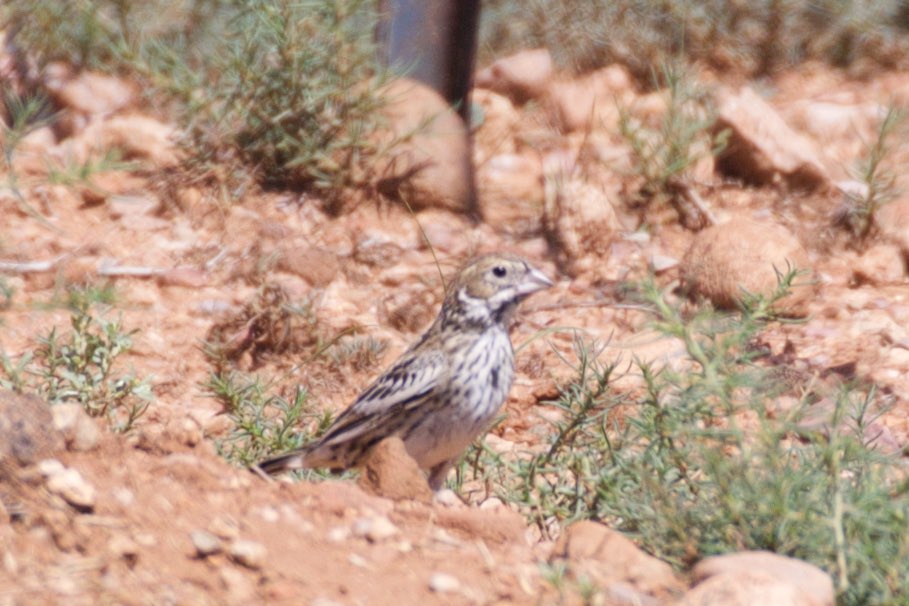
[[488, 289]]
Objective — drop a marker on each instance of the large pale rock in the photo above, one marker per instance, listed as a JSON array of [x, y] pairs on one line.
[[608, 558], [842, 127], [750, 574], [762, 147], [580, 224], [746, 589], [726, 260], [27, 432], [431, 167], [521, 77], [591, 101], [499, 121]]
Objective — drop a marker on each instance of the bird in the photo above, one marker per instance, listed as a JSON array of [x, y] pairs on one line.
[[445, 389]]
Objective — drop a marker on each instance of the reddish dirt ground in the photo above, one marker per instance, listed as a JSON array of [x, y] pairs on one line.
[[164, 480]]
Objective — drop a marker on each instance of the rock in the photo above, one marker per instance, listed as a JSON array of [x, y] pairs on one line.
[[523, 76], [431, 165], [205, 543], [839, 125], [745, 255], [606, 557], [248, 553], [79, 431], [499, 122], [87, 92], [880, 264], [746, 588], [893, 221], [375, 529], [27, 432], [317, 266], [580, 224], [69, 484], [808, 578], [441, 582], [762, 147], [389, 471], [511, 186], [135, 136], [590, 102]]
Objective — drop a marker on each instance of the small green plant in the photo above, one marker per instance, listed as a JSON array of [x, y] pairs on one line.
[[858, 213], [80, 367], [263, 424], [663, 156], [704, 462]]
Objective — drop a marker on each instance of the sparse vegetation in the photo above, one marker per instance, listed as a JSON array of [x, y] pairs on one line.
[[80, 367], [704, 461], [754, 38], [263, 424], [285, 93], [663, 156], [877, 178]]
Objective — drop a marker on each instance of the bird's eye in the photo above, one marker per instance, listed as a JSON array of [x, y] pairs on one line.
[[499, 271]]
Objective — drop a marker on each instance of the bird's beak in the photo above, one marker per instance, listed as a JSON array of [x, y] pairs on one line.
[[534, 280]]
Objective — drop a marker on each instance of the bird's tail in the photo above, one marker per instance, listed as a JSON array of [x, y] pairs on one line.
[[286, 462]]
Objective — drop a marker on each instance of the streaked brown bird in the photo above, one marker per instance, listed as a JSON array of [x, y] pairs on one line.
[[446, 389]]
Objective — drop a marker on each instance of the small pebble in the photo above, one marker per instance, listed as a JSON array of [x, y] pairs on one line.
[[441, 582], [248, 553], [205, 543], [338, 534], [375, 529], [70, 485]]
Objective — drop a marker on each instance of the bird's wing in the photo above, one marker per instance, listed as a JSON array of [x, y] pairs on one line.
[[402, 387]]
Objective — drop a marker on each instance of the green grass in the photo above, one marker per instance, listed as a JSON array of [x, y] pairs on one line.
[[263, 424], [82, 366], [700, 462]]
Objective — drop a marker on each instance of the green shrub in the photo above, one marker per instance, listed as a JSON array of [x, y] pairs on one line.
[[702, 462]]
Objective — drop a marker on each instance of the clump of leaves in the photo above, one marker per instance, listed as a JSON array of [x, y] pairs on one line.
[[703, 462], [80, 366]]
